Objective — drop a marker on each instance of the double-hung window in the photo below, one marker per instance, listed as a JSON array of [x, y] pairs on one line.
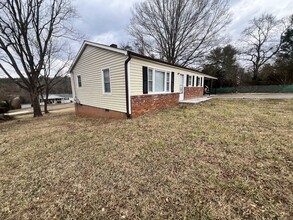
[[158, 81], [189, 80], [150, 80], [198, 81], [106, 81], [168, 78]]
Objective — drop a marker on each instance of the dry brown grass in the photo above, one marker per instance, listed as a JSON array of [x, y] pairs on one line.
[[222, 159]]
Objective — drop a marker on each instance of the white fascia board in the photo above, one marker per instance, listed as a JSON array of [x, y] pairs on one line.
[[117, 50]]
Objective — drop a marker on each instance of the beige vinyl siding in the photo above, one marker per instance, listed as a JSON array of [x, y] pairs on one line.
[[89, 67], [136, 65]]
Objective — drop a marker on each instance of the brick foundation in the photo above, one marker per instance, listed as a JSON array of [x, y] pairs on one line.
[[193, 92], [146, 103], [90, 111]]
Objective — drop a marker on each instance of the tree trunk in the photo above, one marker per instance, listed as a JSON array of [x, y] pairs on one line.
[[254, 77], [46, 103], [255, 73], [36, 104]]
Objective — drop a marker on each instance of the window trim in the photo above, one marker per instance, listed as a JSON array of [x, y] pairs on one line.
[[78, 76], [103, 82], [154, 81]]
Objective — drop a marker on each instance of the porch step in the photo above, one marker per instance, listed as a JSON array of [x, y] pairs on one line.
[[195, 100]]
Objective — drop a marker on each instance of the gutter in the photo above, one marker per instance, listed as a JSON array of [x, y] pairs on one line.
[[127, 84]]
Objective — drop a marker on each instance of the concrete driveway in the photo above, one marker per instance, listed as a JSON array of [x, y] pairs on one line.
[[255, 96], [51, 107]]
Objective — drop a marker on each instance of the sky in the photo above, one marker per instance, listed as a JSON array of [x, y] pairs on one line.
[[106, 21]]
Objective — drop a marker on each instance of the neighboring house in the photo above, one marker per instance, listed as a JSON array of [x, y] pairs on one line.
[[111, 82], [58, 98]]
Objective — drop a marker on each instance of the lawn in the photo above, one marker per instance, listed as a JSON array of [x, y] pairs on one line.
[[221, 159]]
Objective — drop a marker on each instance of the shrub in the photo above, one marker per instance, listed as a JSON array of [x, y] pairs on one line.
[[4, 106]]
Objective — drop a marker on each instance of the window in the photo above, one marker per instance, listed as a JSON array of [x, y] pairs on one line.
[[158, 81], [189, 80], [79, 81], [106, 81], [168, 82], [197, 81], [150, 80]]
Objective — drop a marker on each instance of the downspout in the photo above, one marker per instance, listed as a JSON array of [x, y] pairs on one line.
[[127, 84]]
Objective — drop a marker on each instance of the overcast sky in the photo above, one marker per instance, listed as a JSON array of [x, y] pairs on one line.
[[105, 21]]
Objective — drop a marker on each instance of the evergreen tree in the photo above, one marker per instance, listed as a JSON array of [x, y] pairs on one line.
[[221, 63], [284, 63]]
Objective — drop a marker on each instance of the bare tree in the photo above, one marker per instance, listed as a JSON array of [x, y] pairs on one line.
[[54, 69], [178, 31], [27, 28], [261, 41], [126, 46]]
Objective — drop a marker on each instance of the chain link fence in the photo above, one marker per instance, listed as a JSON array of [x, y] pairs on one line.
[[254, 89]]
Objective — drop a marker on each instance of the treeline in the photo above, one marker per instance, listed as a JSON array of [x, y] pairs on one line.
[[268, 55], [222, 63], [9, 89]]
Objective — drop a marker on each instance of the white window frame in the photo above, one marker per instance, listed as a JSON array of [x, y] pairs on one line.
[[154, 81], [168, 80], [151, 80], [103, 82], [79, 76], [189, 80], [198, 82]]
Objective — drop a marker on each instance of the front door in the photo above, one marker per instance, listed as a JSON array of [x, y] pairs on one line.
[[181, 87]]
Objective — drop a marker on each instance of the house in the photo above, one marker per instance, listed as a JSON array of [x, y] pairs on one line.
[[111, 82], [58, 98]]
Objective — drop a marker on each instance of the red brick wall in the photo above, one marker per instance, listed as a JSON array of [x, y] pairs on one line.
[[193, 92], [145, 103], [90, 111]]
